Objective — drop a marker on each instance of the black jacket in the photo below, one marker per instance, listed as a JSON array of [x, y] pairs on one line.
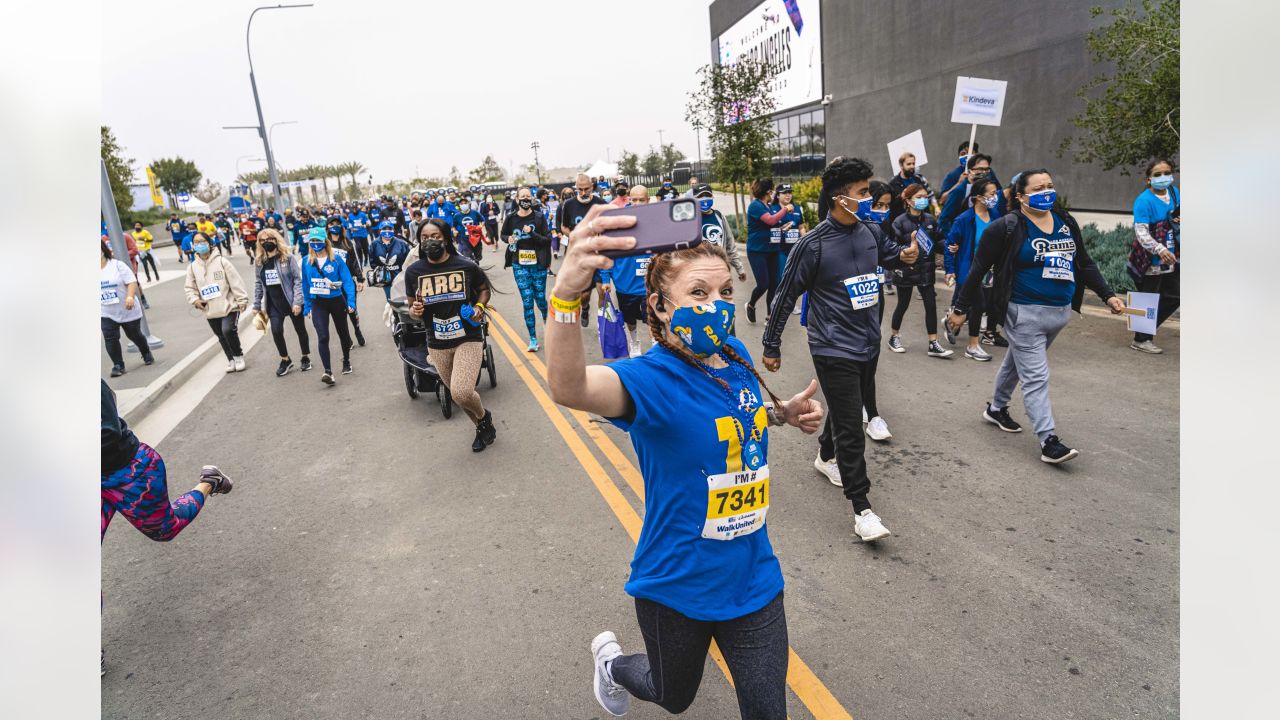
[[922, 273], [998, 250], [819, 264]]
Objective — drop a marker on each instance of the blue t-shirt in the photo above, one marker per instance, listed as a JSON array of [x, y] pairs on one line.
[[1044, 262], [979, 225], [758, 234], [628, 274], [1149, 209], [688, 443], [792, 236], [358, 223]]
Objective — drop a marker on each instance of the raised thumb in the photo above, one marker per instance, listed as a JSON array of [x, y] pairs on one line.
[[809, 391]]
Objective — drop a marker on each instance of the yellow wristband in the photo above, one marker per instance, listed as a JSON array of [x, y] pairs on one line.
[[565, 306]]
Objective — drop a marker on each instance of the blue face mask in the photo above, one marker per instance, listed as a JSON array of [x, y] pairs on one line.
[[1162, 182], [1042, 200], [704, 204], [201, 248], [877, 217], [316, 247], [703, 328], [864, 208], [920, 203]]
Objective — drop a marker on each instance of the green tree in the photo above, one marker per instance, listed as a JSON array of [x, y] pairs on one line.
[[351, 169], [487, 171], [733, 103], [652, 163], [119, 172], [670, 156], [1131, 114], [628, 164], [175, 175]]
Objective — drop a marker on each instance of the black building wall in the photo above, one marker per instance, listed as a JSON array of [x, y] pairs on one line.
[[891, 68]]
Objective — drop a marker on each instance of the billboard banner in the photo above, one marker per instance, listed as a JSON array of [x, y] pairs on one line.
[[786, 35], [978, 101]]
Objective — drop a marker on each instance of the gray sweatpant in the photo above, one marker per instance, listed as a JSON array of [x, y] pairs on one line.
[[1030, 330]]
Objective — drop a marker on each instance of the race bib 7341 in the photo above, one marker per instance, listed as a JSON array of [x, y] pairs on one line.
[[737, 503]]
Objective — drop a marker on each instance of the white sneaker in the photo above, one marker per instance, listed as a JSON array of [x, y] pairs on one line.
[[869, 527], [828, 468], [1146, 346], [634, 347], [612, 697], [878, 429], [238, 362], [231, 366]]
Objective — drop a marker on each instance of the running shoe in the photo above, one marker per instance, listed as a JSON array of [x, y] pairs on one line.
[[977, 353], [751, 312], [215, 477], [149, 360], [634, 347], [1146, 346], [231, 366], [306, 363], [1054, 452], [117, 370], [327, 378], [346, 367], [359, 337], [895, 344], [993, 338], [586, 315], [285, 366], [533, 345], [889, 289], [869, 527], [238, 361], [829, 469], [612, 697], [486, 425], [936, 350], [1001, 419], [946, 329], [878, 429]]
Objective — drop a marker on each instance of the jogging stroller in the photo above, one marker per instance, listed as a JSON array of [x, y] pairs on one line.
[[420, 376]]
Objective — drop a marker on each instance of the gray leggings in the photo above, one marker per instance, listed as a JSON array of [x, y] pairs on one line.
[[1030, 330], [755, 647]]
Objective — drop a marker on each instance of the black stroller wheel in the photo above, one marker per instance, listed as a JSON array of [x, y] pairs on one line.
[[493, 370], [410, 382], [446, 400]]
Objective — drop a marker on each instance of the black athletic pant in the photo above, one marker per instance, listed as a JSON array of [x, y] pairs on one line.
[[321, 310], [1169, 286], [149, 264], [767, 269], [929, 295], [755, 647], [842, 381], [111, 337], [277, 331], [228, 334]]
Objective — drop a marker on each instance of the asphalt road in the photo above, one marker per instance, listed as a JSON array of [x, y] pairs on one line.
[[368, 564]]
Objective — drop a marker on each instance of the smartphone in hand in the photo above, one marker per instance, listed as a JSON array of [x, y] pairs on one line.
[[660, 227]]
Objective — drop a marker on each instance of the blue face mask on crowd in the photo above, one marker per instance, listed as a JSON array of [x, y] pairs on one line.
[[200, 248], [704, 204], [1162, 182], [920, 203], [704, 328], [1042, 200], [316, 247]]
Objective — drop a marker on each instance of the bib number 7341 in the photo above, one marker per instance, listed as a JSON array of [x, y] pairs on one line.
[[737, 503]]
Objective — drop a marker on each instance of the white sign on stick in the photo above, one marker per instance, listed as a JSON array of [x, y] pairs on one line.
[[1141, 311], [978, 101], [912, 143]]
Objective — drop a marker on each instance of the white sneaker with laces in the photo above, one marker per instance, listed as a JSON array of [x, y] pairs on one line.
[[231, 366], [238, 361], [1146, 346], [878, 429], [612, 697], [828, 468], [869, 527], [633, 345]]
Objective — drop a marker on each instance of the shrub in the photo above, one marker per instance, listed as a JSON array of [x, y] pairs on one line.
[[1110, 249]]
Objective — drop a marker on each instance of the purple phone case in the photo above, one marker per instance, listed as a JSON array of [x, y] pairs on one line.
[[657, 229]]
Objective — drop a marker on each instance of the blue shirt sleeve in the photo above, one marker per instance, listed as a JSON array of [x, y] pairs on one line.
[[635, 374], [755, 210]]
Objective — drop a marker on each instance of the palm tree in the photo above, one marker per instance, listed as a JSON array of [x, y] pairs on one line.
[[352, 169]]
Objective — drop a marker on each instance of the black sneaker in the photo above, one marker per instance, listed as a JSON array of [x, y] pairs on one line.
[[327, 378], [751, 312], [346, 367], [117, 370], [485, 433], [994, 338], [285, 366], [1054, 452], [215, 477], [359, 337], [586, 315], [149, 360], [1001, 419], [306, 363]]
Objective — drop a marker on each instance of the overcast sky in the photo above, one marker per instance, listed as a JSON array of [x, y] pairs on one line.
[[402, 86]]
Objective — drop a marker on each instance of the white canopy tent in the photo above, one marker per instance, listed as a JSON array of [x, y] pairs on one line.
[[600, 167]]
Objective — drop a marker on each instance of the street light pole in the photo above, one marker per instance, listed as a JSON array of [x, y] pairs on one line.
[[118, 248], [257, 102], [536, 166]]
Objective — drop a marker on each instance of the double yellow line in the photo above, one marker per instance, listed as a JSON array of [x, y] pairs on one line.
[[815, 696]]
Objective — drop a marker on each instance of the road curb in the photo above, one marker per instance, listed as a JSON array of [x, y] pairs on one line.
[[136, 407]]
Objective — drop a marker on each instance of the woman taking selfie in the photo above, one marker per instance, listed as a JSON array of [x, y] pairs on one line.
[[704, 568], [1039, 258]]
